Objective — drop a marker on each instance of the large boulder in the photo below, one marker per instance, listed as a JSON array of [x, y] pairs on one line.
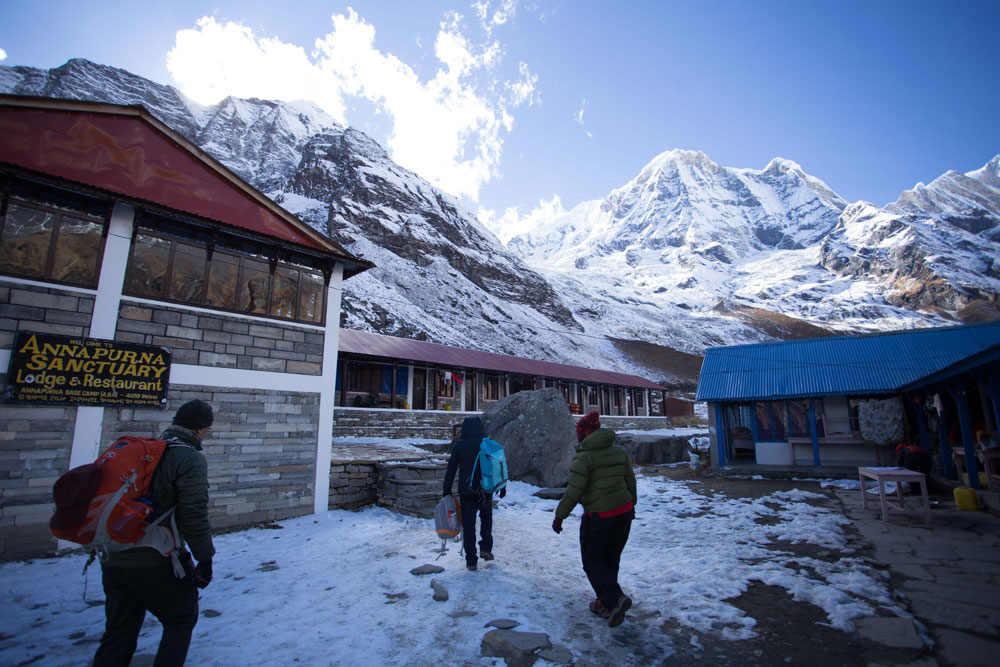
[[538, 435]]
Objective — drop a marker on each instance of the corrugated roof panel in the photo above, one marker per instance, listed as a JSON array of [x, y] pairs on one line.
[[377, 345], [870, 364]]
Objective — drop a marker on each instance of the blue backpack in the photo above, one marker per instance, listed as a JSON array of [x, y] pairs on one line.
[[492, 465]]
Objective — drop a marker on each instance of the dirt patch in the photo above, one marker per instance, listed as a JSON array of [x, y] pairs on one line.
[[788, 632]]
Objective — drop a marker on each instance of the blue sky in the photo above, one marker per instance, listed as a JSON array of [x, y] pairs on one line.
[[526, 106]]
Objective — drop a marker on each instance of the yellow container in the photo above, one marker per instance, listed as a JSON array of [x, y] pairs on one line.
[[966, 499]]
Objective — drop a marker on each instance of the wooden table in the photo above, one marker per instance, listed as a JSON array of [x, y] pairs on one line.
[[900, 476]]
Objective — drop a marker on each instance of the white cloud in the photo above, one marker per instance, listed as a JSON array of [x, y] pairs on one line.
[[578, 117], [511, 222], [448, 129], [3, 55]]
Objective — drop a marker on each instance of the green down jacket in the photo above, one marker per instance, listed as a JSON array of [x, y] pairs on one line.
[[600, 476], [181, 481]]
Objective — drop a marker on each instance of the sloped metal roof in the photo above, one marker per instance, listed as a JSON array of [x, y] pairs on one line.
[[883, 363], [455, 358], [127, 151]]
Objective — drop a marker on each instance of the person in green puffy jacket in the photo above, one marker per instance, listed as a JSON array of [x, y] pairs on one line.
[[601, 478], [142, 579]]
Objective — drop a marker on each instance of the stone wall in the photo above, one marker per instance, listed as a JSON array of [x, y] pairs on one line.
[[384, 423], [412, 488], [261, 451], [35, 440], [222, 341], [352, 484], [42, 310]]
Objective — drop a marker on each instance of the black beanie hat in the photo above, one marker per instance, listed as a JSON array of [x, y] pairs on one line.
[[194, 415]]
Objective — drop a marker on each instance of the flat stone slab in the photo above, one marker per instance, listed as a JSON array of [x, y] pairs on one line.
[[503, 623], [892, 631], [427, 568], [516, 648], [550, 494], [557, 654]]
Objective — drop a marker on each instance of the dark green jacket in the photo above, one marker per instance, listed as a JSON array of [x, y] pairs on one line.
[[181, 480], [600, 476]]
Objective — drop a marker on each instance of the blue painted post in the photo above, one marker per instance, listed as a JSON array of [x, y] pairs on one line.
[[720, 433], [949, 471], [968, 444], [812, 432]]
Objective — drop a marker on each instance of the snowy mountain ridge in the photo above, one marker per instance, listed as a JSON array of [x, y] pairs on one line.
[[686, 255]]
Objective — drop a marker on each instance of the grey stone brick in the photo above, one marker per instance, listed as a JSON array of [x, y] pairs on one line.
[[48, 301], [264, 364], [136, 326], [217, 360], [189, 333], [304, 368], [166, 317]]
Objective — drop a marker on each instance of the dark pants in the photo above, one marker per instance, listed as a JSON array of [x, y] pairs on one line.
[[601, 545], [129, 593], [918, 462], [470, 507]]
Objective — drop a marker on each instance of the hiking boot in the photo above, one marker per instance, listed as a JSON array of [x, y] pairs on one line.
[[471, 567], [486, 555], [599, 609], [617, 615]]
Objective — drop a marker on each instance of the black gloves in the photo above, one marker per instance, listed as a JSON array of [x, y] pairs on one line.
[[557, 525], [202, 575], [503, 492]]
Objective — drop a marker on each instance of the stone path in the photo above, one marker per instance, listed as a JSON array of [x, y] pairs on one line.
[[948, 571]]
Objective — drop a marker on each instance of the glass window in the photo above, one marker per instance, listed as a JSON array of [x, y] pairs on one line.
[[27, 236], [446, 385], [491, 387], [640, 400], [78, 249], [310, 297], [252, 297], [187, 277], [148, 268], [286, 281], [798, 419], [178, 267], [364, 377], [222, 277]]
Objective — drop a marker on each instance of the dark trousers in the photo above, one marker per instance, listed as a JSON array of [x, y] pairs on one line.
[[601, 545], [129, 593], [471, 505]]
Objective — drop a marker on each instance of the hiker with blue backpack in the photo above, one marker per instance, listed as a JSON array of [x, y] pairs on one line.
[[482, 471], [601, 478]]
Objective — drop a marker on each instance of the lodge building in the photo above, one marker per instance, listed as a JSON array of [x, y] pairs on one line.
[[137, 273]]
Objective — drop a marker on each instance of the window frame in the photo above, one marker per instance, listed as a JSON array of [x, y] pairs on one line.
[[30, 199], [249, 258]]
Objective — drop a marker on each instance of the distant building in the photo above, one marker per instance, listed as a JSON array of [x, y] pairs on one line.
[[412, 374], [120, 240], [847, 401]]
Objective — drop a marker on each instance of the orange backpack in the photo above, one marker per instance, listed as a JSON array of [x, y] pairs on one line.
[[104, 504]]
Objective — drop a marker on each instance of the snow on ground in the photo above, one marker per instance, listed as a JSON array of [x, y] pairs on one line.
[[336, 588]]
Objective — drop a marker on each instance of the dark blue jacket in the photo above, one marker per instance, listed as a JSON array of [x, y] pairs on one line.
[[463, 457]]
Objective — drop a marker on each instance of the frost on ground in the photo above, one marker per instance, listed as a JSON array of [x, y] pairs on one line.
[[336, 588]]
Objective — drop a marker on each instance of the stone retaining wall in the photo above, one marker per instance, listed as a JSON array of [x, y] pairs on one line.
[[413, 489], [397, 424], [438, 424], [352, 484]]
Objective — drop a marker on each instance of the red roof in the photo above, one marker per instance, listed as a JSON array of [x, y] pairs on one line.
[[126, 150], [377, 345]]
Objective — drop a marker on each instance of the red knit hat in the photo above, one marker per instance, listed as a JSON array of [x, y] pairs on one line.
[[589, 423]]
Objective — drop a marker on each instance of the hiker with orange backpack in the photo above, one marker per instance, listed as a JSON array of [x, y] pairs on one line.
[[141, 579]]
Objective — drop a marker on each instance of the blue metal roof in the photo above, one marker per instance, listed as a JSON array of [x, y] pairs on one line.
[[884, 363]]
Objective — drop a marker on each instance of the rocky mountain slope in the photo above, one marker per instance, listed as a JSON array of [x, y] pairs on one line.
[[687, 255]]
